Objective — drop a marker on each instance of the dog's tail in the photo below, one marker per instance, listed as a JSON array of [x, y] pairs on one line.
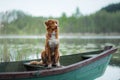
[[37, 63]]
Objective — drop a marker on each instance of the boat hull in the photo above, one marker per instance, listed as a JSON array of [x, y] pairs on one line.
[[75, 68], [89, 72]]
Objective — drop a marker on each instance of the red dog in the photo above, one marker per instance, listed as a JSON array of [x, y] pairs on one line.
[[50, 56]]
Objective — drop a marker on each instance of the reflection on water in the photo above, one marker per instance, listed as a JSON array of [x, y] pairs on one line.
[[29, 47], [111, 73], [61, 37]]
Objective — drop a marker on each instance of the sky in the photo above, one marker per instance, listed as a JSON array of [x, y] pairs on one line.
[[54, 8]]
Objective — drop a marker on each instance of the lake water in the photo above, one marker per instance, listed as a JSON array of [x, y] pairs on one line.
[[111, 73], [13, 48]]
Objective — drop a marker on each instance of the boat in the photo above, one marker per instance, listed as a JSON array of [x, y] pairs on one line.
[[82, 66]]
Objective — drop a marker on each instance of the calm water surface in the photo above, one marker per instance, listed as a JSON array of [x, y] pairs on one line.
[[111, 73], [13, 48]]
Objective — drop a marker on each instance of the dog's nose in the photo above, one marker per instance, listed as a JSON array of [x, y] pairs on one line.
[[56, 25]]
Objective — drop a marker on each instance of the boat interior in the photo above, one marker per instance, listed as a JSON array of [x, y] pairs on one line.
[[20, 66]]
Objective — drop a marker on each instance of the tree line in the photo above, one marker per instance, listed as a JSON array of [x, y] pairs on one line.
[[102, 21]]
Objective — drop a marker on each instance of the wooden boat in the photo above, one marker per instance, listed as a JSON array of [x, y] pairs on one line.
[[82, 66]]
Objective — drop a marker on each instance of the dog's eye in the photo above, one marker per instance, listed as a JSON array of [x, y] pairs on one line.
[[52, 22]]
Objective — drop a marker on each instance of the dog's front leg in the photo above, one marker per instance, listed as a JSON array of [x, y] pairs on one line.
[[57, 57], [49, 62]]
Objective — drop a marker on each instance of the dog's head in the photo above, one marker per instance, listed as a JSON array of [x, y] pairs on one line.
[[51, 25]]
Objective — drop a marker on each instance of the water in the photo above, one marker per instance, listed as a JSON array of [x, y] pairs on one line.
[[61, 37], [111, 73], [29, 47]]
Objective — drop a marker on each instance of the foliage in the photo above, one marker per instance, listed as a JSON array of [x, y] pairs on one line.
[[100, 22], [112, 7]]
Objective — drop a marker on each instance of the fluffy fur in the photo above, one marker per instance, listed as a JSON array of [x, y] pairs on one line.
[[50, 55]]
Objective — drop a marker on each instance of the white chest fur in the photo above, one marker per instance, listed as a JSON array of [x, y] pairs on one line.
[[53, 41]]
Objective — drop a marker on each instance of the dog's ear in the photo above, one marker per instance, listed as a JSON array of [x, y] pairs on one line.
[[46, 23]]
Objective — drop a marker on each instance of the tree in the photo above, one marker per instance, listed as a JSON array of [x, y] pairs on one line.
[[77, 13]]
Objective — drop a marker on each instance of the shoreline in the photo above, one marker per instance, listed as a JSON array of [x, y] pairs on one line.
[[91, 34], [66, 34]]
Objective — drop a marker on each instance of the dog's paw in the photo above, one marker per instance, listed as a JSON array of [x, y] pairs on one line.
[[58, 64], [49, 66]]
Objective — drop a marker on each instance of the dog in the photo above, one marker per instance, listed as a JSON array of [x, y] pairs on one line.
[[50, 55]]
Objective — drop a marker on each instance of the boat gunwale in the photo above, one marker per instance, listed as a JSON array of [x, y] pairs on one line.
[[78, 64], [55, 71]]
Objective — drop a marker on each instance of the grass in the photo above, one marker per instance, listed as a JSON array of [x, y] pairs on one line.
[[19, 49]]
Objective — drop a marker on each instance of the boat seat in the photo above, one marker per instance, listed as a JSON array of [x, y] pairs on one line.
[[89, 56], [30, 67]]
